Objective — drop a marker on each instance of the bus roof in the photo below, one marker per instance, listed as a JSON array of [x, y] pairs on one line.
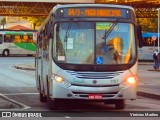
[[92, 5], [17, 32], [82, 5]]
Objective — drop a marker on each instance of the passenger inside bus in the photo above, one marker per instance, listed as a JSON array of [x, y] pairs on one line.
[[7, 38], [111, 50], [25, 38], [17, 39]]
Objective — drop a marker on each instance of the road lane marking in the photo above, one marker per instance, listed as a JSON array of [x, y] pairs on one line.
[[21, 94], [12, 63], [151, 84], [67, 117], [144, 70], [23, 106], [25, 71], [140, 83]]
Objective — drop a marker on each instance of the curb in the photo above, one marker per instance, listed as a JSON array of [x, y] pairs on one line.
[[157, 70], [23, 68], [148, 95], [19, 105], [144, 64]]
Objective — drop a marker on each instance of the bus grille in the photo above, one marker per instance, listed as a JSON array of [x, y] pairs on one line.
[[95, 75], [85, 95]]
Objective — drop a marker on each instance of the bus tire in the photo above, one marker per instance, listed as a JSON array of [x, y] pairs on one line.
[[42, 96], [120, 104], [52, 103], [5, 53]]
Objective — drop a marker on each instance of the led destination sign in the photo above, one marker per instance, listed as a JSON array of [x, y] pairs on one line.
[[94, 12]]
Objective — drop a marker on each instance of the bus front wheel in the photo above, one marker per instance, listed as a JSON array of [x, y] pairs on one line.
[[42, 96], [53, 104], [5, 53], [120, 104]]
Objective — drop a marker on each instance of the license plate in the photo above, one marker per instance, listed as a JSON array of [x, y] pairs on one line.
[[95, 96]]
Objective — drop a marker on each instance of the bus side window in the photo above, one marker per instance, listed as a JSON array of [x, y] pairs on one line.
[[25, 38], [14, 40], [17, 39], [30, 39], [7, 38], [39, 44], [1, 39]]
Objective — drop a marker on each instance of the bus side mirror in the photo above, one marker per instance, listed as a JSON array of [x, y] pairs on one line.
[[139, 36]]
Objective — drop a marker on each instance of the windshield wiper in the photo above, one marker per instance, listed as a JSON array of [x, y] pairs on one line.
[[107, 32]]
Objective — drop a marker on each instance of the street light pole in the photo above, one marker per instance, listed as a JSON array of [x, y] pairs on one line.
[[158, 28]]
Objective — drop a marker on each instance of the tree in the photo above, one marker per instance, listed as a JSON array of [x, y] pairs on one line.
[[36, 22], [148, 24], [3, 22]]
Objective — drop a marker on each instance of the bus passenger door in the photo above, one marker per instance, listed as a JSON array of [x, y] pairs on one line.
[[39, 61], [44, 61]]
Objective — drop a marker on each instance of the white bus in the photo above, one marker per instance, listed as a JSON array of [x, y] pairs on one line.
[[150, 45], [88, 52], [18, 42]]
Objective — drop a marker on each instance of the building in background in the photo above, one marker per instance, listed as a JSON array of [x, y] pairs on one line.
[[18, 27], [20, 22]]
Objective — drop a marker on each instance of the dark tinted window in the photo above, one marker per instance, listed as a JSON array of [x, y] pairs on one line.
[[1, 39]]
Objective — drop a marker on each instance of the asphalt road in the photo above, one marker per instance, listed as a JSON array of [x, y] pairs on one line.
[[149, 79], [20, 86]]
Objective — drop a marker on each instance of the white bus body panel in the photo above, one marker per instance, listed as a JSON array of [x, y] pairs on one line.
[[13, 49], [105, 85]]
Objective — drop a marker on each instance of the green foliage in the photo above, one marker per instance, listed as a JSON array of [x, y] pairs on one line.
[[3, 21], [148, 24], [36, 21]]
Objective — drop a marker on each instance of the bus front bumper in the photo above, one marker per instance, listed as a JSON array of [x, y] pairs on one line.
[[82, 92]]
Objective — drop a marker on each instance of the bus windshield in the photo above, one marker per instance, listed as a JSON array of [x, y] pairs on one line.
[[94, 43]]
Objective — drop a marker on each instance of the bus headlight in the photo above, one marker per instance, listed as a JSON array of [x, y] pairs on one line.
[[128, 82], [131, 80], [60, 80]]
